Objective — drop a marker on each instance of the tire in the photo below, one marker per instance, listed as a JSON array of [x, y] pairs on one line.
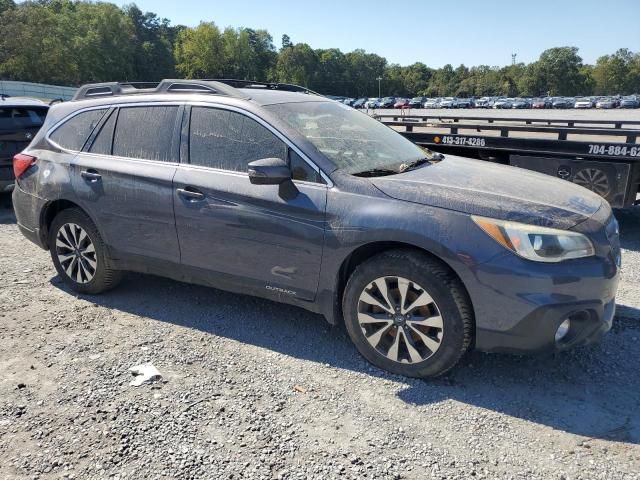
[[426, 349], [90, 271]]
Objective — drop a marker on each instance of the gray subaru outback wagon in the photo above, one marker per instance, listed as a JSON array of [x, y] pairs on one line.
[[273, 191]]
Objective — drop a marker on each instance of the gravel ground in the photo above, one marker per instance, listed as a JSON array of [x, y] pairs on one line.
[[253, 389]]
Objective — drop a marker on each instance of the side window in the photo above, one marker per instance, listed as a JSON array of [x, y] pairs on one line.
[[301, 170], [145, 133], [73, 133], [103, 141], [229, 140]]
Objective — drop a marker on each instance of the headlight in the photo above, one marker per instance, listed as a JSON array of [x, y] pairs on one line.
[[535, 243]]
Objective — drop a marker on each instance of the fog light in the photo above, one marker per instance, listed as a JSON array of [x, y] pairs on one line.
[[563, 329]]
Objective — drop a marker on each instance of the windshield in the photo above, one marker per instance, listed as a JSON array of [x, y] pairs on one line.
[[352, 140]]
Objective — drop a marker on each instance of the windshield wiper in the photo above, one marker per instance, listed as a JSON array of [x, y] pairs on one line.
[[376, 172], [433, 157]]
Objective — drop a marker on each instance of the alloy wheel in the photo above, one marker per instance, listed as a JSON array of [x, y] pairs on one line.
[[76, 253], [400, 320]]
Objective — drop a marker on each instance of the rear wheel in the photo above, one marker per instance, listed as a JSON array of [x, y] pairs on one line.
[[408, 313], [79, 254]]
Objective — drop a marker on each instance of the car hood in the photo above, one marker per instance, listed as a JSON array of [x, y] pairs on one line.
[[497, 191]]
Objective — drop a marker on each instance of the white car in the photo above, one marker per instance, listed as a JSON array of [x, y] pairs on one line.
[[432, 103], [483, 102], [449, 102], [371, 103], [583, 103], [606, 103]]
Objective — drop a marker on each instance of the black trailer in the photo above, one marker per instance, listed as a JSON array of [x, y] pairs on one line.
[[601, 155]]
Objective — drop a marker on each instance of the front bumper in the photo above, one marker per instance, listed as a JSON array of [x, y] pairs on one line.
[[536, 332], [535, 298]]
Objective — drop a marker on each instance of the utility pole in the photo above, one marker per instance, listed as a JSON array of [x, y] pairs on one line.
[[379, 87], [513, 58]]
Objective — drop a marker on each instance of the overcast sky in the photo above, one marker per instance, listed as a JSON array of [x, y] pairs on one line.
[[433, 32]]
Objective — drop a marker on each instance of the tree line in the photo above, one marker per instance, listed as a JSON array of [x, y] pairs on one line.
[[67, 42]]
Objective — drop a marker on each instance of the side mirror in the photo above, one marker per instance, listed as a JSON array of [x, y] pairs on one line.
[[269, 171]]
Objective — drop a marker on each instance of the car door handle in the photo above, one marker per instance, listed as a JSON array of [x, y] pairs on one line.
[[91, 175], [191, 195]]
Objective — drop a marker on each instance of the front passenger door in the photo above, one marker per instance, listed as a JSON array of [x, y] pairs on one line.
[[244, 234]]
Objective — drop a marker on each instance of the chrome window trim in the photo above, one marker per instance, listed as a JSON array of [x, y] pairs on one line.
[[129, 159], [221, 171]]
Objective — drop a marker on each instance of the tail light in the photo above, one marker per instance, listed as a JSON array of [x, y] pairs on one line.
[[21, 164]]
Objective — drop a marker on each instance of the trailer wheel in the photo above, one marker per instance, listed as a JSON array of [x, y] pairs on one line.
[[594, 179]]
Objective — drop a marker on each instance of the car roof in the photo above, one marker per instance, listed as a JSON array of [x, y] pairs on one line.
[[22, 102], [272, 97]]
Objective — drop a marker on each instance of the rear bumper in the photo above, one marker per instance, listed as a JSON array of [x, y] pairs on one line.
[[27, 208], [31, 235]]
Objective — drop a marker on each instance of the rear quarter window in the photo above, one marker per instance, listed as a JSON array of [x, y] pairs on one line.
[[73, 133]]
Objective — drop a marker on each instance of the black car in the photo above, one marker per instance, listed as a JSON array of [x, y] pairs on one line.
[[417, 102], [273, 191], [20, 120], [359, 103], [387, 102]]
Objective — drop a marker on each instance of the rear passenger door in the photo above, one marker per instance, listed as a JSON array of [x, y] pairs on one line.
[[123, 178], [241, 233]]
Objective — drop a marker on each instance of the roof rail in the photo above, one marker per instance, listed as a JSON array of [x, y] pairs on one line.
[[112, 89], [287, 87], [226, 86]]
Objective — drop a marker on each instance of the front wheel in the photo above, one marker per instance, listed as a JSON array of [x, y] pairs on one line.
[[408, 313], [79, 254]]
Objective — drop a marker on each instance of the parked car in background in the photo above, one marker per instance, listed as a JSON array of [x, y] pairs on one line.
[[426, 255], [432, 103], [371, 103], [464, 103], [20, 120], [387, 102], [629, 102], [541, 103], [348, 101], [417, 102], [606, 103], [502, 103], [482, 102], [449, 102], [520, 103], [583, 102], [359, 103], [561, 102], [401, 103]]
